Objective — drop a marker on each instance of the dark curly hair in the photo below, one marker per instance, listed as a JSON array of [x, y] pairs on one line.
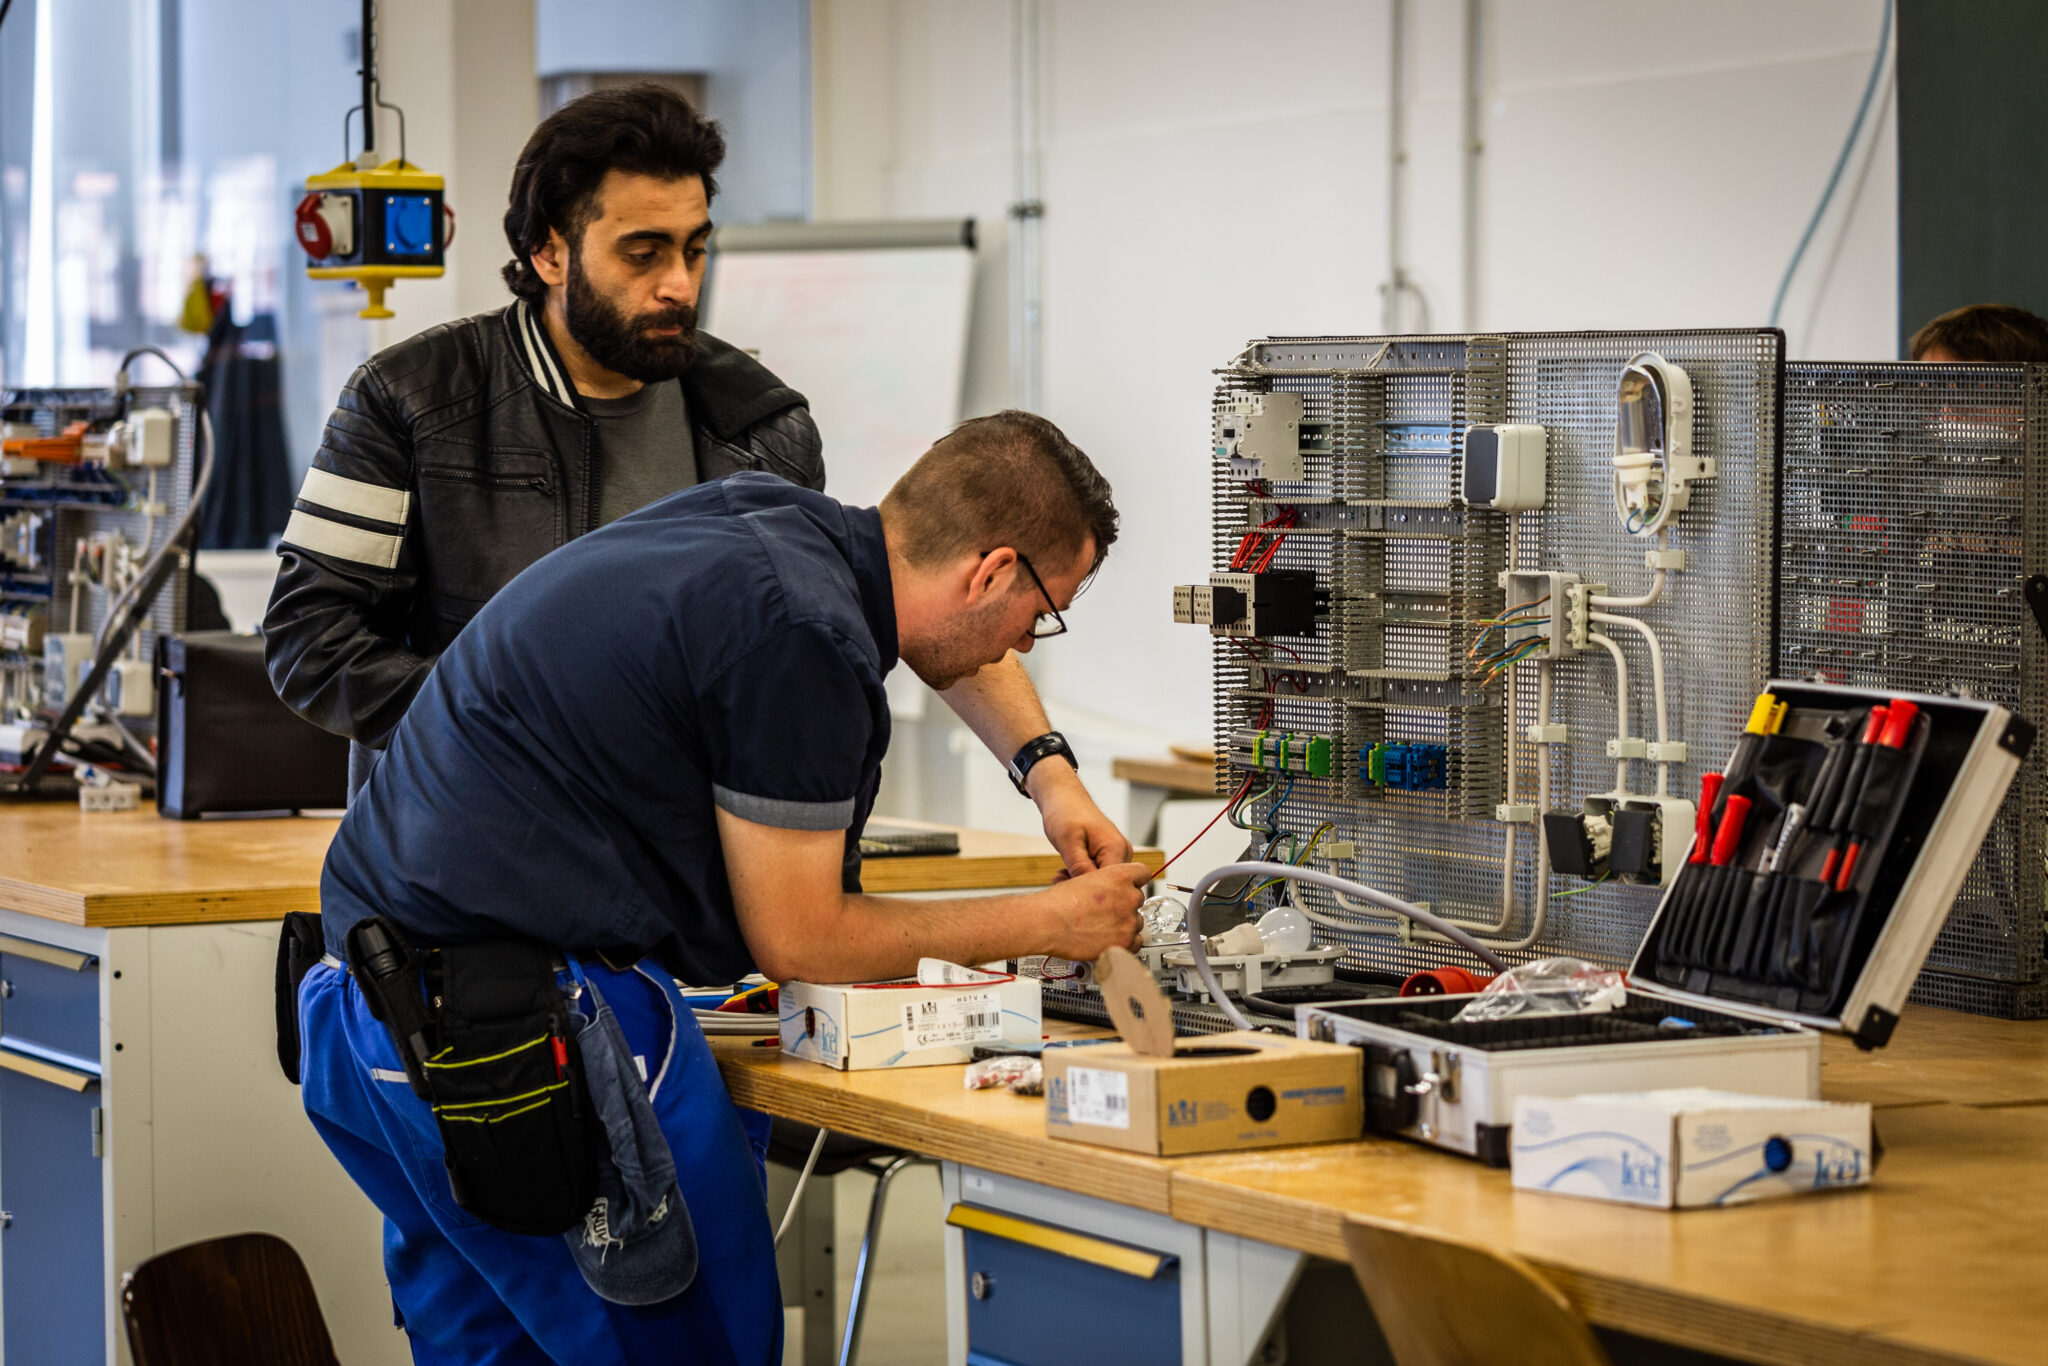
[[645, 129]]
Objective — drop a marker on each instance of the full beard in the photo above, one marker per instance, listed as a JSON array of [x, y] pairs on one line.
[[628, 346]]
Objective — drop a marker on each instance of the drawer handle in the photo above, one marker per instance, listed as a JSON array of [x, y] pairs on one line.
[[47, 953], [1082, 1247], [79, 1082]]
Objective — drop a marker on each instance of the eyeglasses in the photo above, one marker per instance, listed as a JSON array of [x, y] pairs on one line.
[[1039, 628]]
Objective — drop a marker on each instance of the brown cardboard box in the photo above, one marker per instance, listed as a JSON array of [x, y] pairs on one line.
[[1214, 1094]]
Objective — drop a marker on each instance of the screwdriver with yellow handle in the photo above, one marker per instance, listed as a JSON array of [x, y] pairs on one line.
[[1764, 719]]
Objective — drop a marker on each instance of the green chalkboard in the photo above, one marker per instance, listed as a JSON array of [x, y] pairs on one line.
[[1973, 156]]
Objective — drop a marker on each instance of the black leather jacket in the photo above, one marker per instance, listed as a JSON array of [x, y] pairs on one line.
[[454, 460]]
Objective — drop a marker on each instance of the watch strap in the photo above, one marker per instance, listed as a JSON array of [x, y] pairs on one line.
[[1046, 745]]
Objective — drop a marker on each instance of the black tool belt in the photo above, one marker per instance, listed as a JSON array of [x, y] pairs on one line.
[[489, 1041]]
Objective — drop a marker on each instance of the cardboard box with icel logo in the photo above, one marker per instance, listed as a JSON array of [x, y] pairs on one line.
[[1151, 1093], [940, 1016]]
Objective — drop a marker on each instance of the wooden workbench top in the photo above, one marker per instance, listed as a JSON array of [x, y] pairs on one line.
[[1186, 777], [136, 868], [1943, 1260]]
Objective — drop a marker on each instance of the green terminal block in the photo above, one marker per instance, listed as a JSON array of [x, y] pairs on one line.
[[1283, 750]]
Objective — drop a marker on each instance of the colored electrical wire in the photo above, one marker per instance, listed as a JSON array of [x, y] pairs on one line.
[[1246, 787], [1581, 891], [1296, 859]]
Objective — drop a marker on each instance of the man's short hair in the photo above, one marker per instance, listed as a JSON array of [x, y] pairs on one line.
[[1993, 332], [1009, 479], [643, 129]]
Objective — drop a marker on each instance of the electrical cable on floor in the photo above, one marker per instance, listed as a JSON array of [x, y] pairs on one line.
[[1884, 40], [796, 1197]]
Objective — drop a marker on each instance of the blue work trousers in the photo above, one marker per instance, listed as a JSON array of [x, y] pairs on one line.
[[475, 1295]]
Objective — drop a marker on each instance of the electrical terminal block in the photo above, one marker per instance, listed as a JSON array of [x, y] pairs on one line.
[[1518, 813], [1634, 747], [1406, 767], [113, 796], [1579, 613], [1284, 751], [1279, 602], [1555, 733], [1537, 608], [1667, 752]]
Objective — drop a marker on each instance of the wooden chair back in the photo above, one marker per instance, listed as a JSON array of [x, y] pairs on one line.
[[1443, 1303], [244, 1300]]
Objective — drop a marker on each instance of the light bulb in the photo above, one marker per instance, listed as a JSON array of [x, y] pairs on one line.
[[1285, 930]]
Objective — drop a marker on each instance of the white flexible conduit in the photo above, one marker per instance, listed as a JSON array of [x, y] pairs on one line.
[[1314, 878], [1656, 589], [1656, 689], [1620, 703]]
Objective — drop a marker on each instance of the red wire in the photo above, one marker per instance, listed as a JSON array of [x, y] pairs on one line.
[[1248, 545], [1210, 826], [1269, 645]]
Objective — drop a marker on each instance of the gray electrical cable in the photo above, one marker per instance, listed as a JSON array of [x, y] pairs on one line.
[[796, 1197], [1884, 41], [1314, 877]]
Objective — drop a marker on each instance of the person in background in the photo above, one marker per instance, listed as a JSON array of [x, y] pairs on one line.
[[1984, 332], [458, 457]]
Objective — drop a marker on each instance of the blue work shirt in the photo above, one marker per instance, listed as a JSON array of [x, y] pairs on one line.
[[556, 777]]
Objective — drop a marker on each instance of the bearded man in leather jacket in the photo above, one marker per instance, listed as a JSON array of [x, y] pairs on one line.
[[457, 458]]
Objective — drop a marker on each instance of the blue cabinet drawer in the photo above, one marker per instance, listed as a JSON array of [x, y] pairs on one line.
[[49, 1006], [1035, 1294], [53, 1300]]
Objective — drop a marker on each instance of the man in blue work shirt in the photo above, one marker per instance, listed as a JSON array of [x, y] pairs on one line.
[[656, 748]]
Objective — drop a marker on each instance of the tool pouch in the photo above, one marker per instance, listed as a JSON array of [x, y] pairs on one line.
[[508, 1090], [488, 1040], [299, 947]]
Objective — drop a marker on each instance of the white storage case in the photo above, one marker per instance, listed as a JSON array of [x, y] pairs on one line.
[[1455, 1086]]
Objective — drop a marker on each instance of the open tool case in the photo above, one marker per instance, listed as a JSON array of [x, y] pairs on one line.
[[1827, 857]]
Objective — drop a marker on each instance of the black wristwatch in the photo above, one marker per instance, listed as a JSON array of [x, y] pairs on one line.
[[1046, 745]]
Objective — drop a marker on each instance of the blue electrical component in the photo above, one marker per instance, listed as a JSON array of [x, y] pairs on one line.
[[1406, 767], [409, 224]]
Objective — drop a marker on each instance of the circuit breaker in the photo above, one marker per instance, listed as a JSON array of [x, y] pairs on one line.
[[1263, 436]]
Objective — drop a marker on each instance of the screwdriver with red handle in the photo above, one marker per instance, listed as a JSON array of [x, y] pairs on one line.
[[1729, 837], [1844, 799], [1686, 913], [1898, 726], [1725, 895], [1703, 832]]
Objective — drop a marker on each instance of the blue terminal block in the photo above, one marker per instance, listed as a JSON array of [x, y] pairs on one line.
[[1406, 767]]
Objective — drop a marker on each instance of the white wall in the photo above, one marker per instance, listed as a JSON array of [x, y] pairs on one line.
[[754, 57], [1216, 172]]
